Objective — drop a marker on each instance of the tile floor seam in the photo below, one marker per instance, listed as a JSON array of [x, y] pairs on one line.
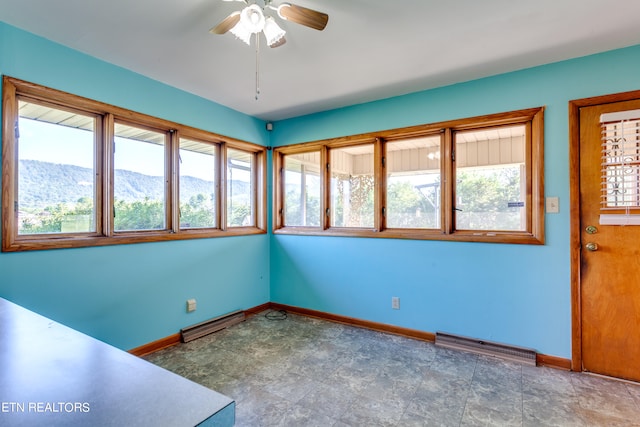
[[466, 399], [521, 399], [635, 400]]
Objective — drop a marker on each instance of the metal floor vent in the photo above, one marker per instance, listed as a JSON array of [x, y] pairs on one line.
[[207, 327], [513, 353]]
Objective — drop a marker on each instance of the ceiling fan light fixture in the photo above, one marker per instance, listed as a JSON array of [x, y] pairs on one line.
[[241, 33], [272, 31], [252, 18]]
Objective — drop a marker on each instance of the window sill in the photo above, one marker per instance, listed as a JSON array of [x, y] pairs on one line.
[[29, 243], [415, 234]]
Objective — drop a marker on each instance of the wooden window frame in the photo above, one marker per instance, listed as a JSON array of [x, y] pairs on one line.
[[106, 114], [532, 118], [259, 190], [375, 144], [110, 150], [201, 137]]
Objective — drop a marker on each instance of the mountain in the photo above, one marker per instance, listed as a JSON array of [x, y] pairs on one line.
[[43, 184]]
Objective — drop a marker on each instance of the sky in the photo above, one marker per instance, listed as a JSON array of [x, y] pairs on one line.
[[52, 143]]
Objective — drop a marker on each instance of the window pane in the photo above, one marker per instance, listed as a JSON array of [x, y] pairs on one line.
[[352, 186], [302, 189], [197, 184], [56, 176], [620, 176], [139, 181], [240, 200], [491, 179], [413, 183]]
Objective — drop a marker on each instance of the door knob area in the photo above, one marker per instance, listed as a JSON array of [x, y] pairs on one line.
[[592, 246], [591, 229]]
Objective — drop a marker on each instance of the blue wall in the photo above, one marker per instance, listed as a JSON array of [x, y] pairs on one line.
[[129, 295], [515, 294]]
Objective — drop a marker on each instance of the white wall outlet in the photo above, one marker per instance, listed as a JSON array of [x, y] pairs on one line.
[[553, 205], [395, 303], [191, 305]]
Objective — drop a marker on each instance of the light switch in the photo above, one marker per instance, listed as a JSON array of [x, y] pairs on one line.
[[553, 205]]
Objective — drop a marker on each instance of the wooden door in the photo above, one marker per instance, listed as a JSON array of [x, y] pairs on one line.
[[610, 240]]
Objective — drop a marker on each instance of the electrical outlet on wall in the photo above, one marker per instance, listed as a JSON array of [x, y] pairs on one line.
[[191, 305], [395, 303]]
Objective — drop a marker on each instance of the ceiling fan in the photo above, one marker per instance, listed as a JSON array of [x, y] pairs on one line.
[[254, 19]]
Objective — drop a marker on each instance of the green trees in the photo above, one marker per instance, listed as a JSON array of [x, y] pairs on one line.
[[144, 214], [295, 210], [483, 197], [59, 218], [408, 207], [57, 198], [138, 215], [486, 199], [199, 212]]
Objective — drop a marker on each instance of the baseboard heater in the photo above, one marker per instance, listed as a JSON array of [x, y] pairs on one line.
[[488, 348], [207, 327]]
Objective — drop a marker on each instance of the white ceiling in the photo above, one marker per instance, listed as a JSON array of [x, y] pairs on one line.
[[371, 49]]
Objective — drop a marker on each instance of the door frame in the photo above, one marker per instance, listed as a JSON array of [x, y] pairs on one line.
[[574, 189]]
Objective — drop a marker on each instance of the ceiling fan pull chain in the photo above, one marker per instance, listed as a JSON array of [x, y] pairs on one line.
[[257, 65]]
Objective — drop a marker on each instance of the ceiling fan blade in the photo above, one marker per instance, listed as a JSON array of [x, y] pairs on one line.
[[278, 43], [227, 23], [303, 16]]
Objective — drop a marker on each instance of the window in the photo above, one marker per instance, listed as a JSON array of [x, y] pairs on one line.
[[352, 186], [414, 183], [66, 138], [302, 187], [490, 184], [139, 182], [80, 173], [198, 190], [477, 179], [240, 188], [620, 177]]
